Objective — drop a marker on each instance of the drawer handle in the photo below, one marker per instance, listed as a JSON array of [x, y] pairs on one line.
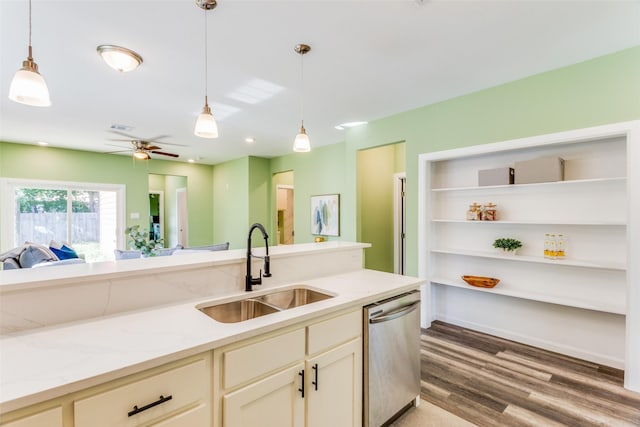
[[301, 389], [315, 383], [137, 410]]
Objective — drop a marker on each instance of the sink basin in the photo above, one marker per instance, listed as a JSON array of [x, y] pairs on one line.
[[293, 297], [252, 307], [238, 311]]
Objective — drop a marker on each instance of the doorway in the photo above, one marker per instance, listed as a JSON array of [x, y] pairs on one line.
[[378, 172], [284, 211], [156, 215]]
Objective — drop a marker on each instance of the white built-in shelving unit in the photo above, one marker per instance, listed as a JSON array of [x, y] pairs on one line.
[[581, 305]]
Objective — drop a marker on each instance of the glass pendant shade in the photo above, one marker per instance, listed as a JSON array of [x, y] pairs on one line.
[[141, 154], [302, 144], [120, 58], [28, 86], [206, 126]]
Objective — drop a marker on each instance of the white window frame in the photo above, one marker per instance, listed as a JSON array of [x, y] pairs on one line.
[[7, 204]]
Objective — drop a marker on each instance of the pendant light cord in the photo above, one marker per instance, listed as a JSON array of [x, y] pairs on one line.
[[302, 88], [206, 86], [30, 57]]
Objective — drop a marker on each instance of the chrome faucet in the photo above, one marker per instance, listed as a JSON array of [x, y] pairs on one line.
[[249, 280]]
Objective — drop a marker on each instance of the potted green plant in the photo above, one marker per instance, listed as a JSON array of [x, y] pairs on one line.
[[139, 240], [507, 245]]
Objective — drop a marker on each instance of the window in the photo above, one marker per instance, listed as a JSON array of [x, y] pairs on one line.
[[86, 216]]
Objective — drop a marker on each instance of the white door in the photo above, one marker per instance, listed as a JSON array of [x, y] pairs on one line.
[[272, 402], [334, 387], [181, 197]]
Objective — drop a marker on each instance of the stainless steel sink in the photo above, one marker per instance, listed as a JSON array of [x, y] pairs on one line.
[[238, 311], [252, 307], [293, 297]]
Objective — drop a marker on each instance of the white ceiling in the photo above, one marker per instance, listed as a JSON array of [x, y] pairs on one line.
[[369, 59]]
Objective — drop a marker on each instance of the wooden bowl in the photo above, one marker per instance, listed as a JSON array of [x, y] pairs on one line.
[[481, 281]]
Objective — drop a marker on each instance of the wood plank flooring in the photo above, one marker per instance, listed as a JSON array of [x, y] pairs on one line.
[[491, 381]]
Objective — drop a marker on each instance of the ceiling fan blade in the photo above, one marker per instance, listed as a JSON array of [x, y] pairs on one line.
[[130, 137], [175, 145], [147, 146], [119, 139], [165, 154], [115, 152], [119, 146]]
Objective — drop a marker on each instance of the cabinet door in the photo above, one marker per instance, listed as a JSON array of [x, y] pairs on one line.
[[334, 387], [274, 401], [50, 418]]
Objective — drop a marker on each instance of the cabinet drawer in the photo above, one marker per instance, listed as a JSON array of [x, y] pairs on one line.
[[331, 332], [184, 385], [49, 418], [254, 360], [194, 417]]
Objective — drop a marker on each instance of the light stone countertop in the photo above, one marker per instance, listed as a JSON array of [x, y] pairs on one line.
[[45, 363]]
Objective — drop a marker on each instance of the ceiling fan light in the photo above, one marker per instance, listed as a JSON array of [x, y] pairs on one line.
[[206, 126], [120, 58], [141, 155], [28, 86], [302, 144]]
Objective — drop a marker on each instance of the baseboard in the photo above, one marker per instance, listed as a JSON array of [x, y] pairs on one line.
[[536, 342]]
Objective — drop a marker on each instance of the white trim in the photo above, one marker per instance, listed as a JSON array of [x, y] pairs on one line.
[[397, 221]]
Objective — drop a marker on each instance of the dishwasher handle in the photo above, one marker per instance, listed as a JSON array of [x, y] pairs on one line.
[[394, 314]]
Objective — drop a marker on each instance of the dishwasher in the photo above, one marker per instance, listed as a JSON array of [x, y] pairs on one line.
[[391, 358]]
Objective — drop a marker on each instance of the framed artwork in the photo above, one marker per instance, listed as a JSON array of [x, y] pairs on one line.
[[325, 215]]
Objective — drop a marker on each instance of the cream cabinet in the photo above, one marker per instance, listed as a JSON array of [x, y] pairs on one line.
[[310, 374], [48, 418], [174, 395]]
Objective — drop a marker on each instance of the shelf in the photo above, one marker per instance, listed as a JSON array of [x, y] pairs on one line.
[[537, 222], [533, 259], [537, 184], [503, 289]]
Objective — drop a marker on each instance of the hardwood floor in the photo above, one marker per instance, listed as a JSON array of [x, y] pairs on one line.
[[490, 381]]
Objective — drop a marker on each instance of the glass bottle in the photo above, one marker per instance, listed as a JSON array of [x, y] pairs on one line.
[[560, 246], [552, 246], [547, 245]]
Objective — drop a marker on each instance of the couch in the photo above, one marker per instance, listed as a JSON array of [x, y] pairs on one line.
[[31, 255]]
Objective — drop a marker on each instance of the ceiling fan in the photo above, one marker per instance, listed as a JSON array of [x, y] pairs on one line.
[[143, 148]]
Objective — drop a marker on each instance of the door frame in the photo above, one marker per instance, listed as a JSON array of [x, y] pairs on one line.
[[284, 187], [160, 194], [399, 223]]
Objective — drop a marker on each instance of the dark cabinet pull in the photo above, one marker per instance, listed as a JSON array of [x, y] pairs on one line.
[[137, 410], [315, 382], [301, 389]]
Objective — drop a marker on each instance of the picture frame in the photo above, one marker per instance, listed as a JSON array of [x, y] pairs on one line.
[[325, 215]]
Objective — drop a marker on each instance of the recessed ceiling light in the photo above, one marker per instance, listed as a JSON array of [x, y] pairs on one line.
[[249, 140], [191, 160], [343, 126], [43, 143]]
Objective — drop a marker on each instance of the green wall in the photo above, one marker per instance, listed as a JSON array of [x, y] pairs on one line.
[[321, 171], [56, 164], [599, 91]]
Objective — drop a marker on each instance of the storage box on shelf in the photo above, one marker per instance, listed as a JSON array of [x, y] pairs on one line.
[[585, 291]]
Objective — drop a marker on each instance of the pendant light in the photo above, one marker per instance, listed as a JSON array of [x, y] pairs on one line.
[[302, 144], [206, 126], [28, 86]]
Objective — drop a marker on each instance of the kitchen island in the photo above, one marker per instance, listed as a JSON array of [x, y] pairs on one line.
[[62, 366]]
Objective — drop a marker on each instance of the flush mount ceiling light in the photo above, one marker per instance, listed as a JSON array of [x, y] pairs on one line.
[[206, 126], [302, 144], [28, 86], [119, 58]]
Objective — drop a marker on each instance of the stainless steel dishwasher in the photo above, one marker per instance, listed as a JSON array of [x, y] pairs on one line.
[[391, 358]]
